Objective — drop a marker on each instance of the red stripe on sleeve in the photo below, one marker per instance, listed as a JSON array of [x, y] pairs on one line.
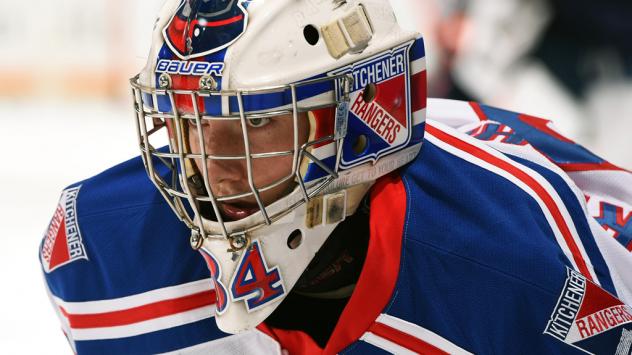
[[529, 181], [140, 313], [405, 340], [479, 111], [576, 167]]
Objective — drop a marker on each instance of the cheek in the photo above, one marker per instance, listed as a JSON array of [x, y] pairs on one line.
[[193, 141], [268, 170], [279, 139]]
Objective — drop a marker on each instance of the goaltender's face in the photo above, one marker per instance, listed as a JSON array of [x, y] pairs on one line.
[[230, 177]]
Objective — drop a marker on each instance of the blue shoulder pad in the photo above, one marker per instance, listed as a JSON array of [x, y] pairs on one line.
[[120, 270]]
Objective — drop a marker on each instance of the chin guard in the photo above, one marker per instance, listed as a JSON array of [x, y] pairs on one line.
[[258, 276]]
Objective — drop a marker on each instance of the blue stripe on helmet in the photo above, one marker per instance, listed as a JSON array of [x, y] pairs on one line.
[[418, 50], [258, 102]]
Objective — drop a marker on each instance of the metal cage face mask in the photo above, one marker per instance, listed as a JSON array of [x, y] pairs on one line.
[[248, 124], [213, 163]]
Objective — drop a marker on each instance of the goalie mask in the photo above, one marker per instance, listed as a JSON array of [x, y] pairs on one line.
[[264, 123]]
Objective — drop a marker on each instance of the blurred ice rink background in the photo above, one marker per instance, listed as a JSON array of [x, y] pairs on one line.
[[63, 103]]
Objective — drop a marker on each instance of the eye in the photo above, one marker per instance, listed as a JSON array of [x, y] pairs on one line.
[[192, 124], [258, 122]]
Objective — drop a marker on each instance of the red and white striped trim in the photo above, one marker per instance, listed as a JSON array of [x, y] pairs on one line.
[[551, 204], [603, 166], [64, 322], [419, 117], [418, 82], [417, 66], [139, 314], [417, 74], [401, 337]]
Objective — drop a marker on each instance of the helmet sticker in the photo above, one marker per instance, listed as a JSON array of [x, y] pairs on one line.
[[201, 27], [181, 67], [63, 243], [380, 111]]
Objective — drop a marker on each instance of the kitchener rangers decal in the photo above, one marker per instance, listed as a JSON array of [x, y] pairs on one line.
[[378, 107], [62, 242], [589, 318]]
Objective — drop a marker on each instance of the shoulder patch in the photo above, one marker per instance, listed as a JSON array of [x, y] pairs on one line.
[[63, 243], [614, 217], [496, 132], [589, 318]]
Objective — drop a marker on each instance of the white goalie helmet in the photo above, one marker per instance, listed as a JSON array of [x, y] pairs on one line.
[[276, 117]]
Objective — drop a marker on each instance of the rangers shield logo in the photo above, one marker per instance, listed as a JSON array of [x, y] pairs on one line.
[[201, 27], [590, 319], [63, 244], [379, 110]]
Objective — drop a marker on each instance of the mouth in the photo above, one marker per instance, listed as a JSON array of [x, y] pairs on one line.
[[234, 212]]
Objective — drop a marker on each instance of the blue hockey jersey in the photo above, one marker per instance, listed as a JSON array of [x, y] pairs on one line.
[[501, 237]]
